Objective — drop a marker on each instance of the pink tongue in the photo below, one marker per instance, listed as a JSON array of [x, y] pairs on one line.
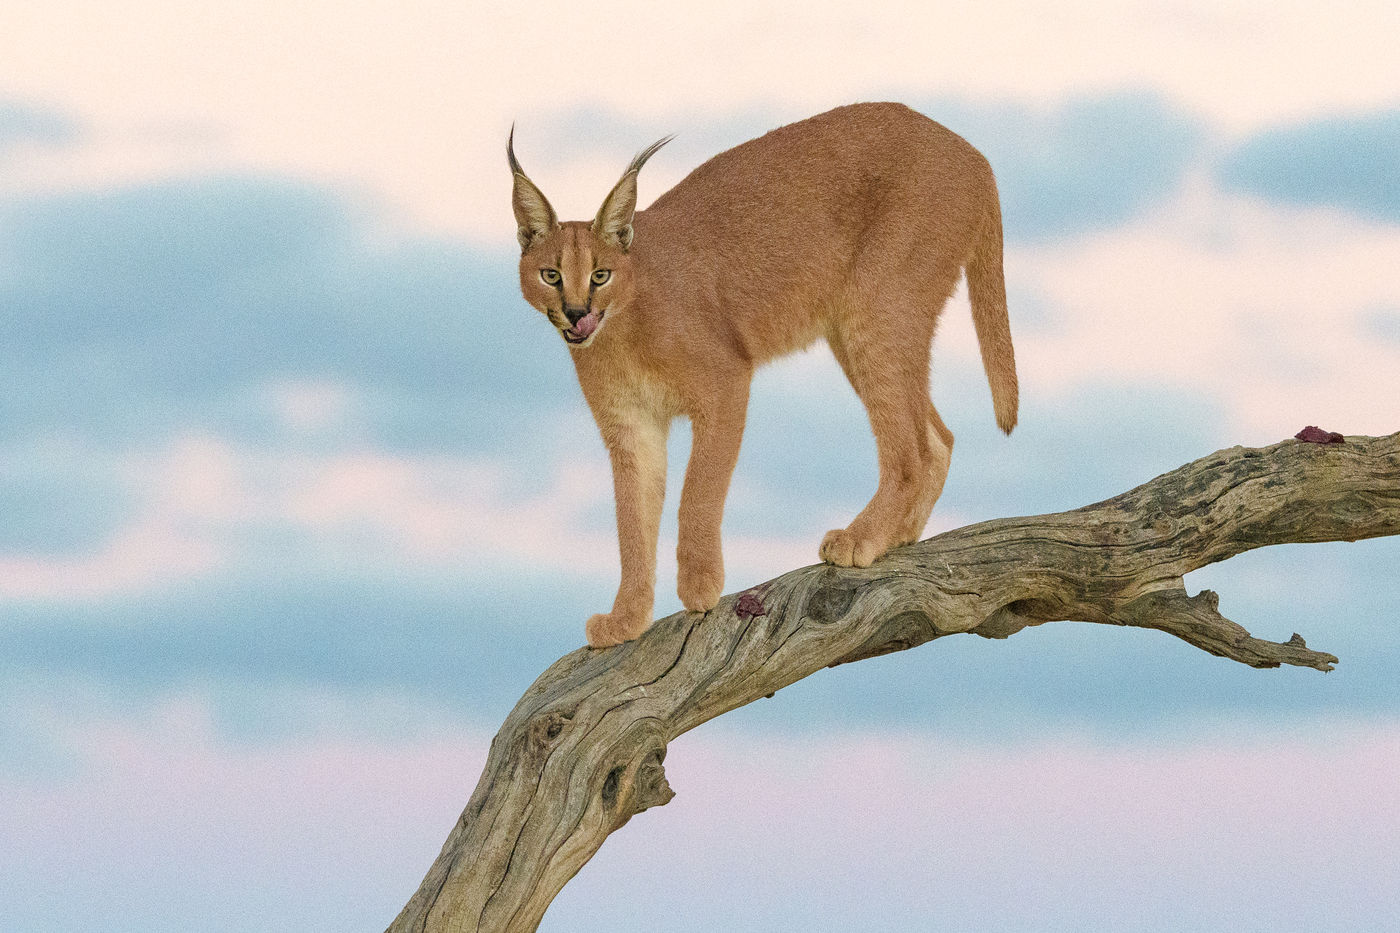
[[586, 324]]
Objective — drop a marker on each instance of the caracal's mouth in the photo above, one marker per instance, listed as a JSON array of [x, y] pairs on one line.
[[584, 327]]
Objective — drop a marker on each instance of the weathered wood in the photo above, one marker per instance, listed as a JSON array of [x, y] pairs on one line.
[[582, 751]]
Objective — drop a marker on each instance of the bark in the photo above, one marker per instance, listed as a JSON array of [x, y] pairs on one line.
[[582, 751]]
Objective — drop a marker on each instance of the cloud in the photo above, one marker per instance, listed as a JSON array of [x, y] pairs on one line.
[[1383, 323], [464, 656], [138, 310], [901, 833], [25, 125], [1085, 164], [162, 791], [934, 829], [351, 390], [470, 646], [139, 557], [204, 504], [58, 497], [1347, 162], [314, 491], [808, 445], [424, 112], [1253, 306]]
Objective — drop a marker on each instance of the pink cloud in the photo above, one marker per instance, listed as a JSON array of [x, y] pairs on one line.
[[148, 554], [1254, 306], [1045, 825], [208, 504]]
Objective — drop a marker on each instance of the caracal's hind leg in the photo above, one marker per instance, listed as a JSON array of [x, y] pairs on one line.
[[882, 338], [888, 367], [941, 451]]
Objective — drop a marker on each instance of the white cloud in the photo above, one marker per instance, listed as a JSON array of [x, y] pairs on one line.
[[1256, 306], [423, 94], [209, 505], [149, 553]]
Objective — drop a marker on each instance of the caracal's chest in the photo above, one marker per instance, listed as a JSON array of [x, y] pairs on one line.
[[624, 392]]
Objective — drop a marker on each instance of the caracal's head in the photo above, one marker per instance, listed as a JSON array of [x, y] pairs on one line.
[[577, 273]]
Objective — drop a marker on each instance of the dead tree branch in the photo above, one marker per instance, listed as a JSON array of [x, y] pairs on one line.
[[582, 751]]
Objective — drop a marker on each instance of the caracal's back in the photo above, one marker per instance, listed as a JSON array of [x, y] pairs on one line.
[[788, 227]]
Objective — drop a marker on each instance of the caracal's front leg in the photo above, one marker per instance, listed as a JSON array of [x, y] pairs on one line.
[[637, 449], [716, 433]]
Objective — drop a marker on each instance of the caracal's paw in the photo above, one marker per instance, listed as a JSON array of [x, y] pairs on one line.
[[845, 549], [613, 628], [699, 586]]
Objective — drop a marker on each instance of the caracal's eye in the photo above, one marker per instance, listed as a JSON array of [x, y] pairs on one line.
[[549, 276], [601, 276]]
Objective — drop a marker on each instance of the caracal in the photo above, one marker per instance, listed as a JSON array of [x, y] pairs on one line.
[[853, 226]]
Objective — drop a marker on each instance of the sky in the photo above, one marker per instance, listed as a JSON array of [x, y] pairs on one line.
[[297, 495]]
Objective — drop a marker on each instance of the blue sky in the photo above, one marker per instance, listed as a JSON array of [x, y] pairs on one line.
[[1345, 161], [298, 496]]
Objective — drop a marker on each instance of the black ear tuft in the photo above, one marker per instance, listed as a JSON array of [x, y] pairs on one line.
[[614, 219], [534, 216]]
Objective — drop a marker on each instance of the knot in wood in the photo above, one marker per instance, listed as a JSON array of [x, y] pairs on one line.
[[653, 790], [610, 782], [1162, 524], [831, 601], [901, 632], [631, 787], [542, 733], [1208, 598]]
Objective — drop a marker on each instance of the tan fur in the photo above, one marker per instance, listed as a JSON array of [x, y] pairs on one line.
[[853, 225]]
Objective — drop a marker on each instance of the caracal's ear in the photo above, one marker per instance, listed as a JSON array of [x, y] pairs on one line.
[[533, 214], [614, 220]]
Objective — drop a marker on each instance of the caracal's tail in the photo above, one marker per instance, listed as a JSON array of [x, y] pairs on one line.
[[986, 288]]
